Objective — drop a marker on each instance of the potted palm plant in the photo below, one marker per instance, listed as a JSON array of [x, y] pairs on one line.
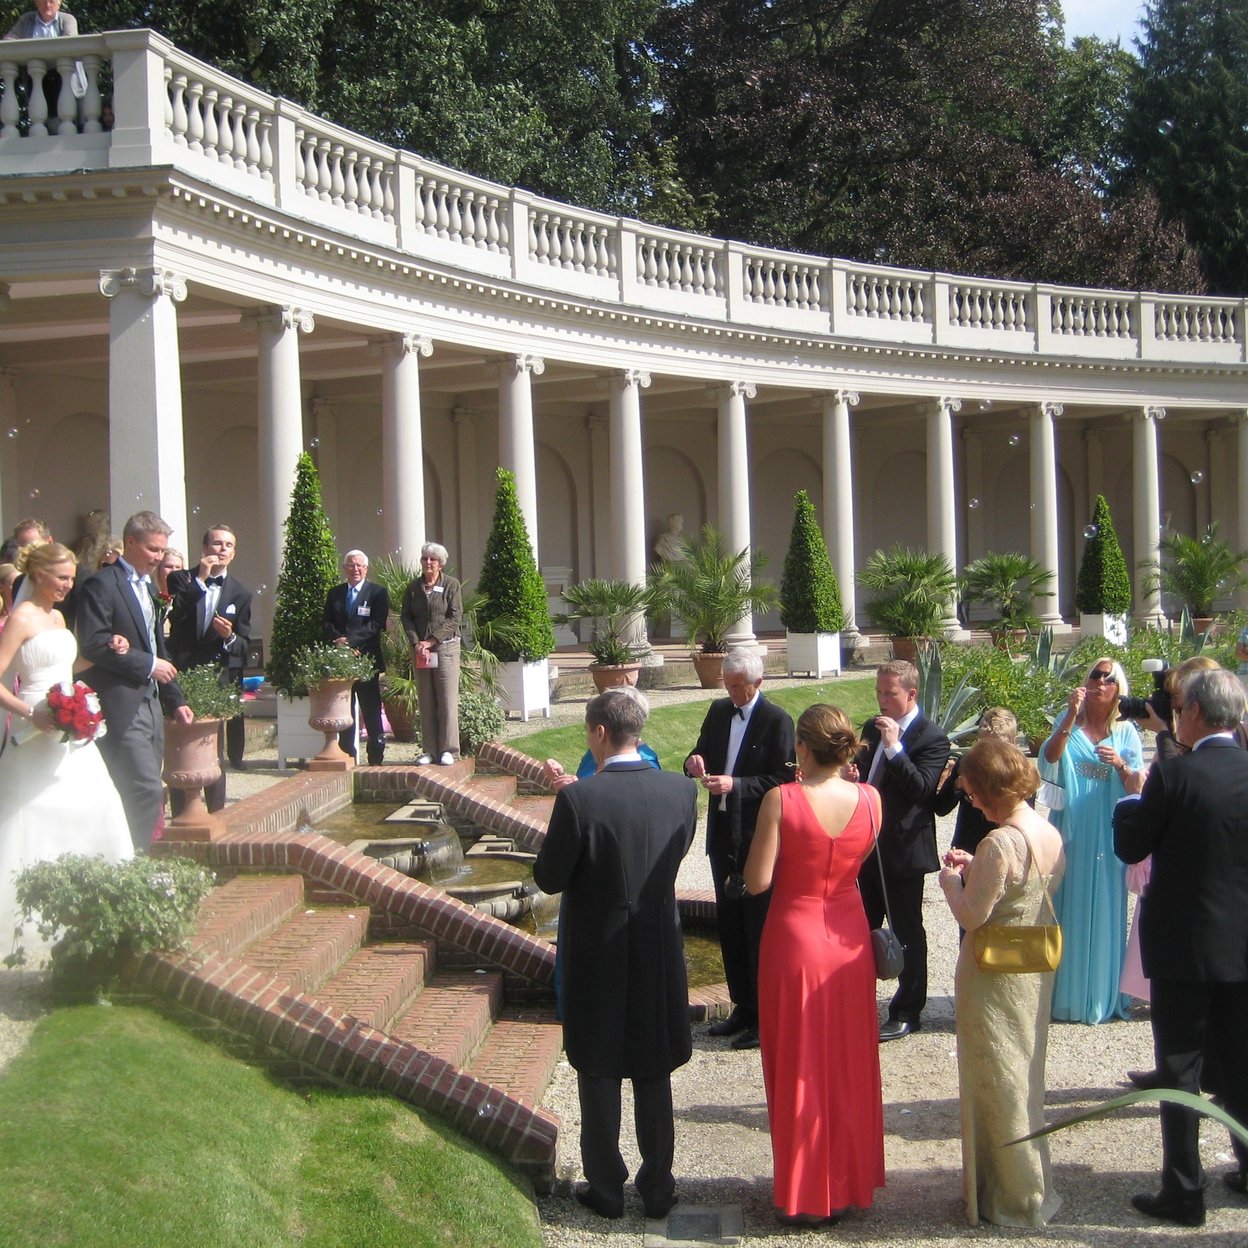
[[398, 683], [328, 672], [1195, 572], [914, 592], [1103, 590], [191, 760], [613, 609], [810, 598], [709, 590], [1008, 583]]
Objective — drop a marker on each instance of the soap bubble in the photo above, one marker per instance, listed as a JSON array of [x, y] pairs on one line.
[[1014, 439], [1165, 126], [34, 494], [1197, 477], [973, 503], [12, 433], [1090, 531], [315, 442]]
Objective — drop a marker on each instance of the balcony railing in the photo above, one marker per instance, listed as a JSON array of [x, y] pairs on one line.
[[171, 109]]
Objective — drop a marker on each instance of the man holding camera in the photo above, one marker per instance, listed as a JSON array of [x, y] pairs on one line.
[[744, 748]]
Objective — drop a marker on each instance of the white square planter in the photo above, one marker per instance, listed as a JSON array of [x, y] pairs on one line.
[[1112, 627], [819, 654], [296, 738], [525, 688]]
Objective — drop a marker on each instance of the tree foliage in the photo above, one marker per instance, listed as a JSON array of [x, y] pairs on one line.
[[810, 598], [511, 584], [1104, 584]]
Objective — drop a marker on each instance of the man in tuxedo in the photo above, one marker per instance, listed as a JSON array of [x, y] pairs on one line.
[[903, 756], [355, 616], [1194, 929], [613, 848], [135, 686], [210, 622], [744, 748]]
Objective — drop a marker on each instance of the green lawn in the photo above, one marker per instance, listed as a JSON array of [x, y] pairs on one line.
[[672, 730], [119, 1127]]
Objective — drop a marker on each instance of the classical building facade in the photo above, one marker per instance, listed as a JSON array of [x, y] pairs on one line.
[[222, 279]]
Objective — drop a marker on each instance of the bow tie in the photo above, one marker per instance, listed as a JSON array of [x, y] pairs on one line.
[[214, 580], [739, 712]]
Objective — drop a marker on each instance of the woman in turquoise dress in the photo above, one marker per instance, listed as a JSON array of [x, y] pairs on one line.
[[1089, 755]]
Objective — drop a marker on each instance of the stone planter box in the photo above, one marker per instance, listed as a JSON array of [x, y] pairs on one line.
[[525, 688], [1112, 627], [814, 654], [296, 739]]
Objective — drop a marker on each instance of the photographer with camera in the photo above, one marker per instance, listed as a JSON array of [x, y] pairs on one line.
[[1092, 755], [744, 748]]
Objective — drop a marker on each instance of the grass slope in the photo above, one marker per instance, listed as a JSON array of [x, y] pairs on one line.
[[118, 1127]]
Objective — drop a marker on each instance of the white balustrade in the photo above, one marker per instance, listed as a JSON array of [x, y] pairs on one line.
[[988, 306], [783, 283], [884, 295], [667, 263], [572, 243], [1184, 320], [1092, 315]]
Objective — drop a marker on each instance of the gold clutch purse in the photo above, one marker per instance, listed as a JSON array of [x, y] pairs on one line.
[[1030, 949]]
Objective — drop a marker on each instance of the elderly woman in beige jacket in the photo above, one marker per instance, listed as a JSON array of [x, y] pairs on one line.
[[433, 611]]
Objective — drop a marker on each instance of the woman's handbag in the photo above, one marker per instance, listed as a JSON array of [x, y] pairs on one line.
[[890, 954], [1020, 950]]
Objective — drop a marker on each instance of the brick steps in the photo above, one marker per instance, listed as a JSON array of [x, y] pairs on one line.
[[500, 788], [243, 909], [452, 1015], [377, 981], [520, 1052], [536, 807], [309, 947]]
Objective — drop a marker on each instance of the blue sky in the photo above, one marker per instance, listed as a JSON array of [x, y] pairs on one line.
[[1105, 18]]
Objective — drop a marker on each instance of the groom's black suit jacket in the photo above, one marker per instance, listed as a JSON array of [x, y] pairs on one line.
[[188, 647], [107, 605]]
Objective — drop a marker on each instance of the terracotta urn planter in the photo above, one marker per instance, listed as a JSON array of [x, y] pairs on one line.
[[403, 718], [709, 668], [613, 675], [191, 763], [330, 714], [906, 648]]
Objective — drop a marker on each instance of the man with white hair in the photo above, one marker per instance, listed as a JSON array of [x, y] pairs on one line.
[[355, 615], [745, 747]]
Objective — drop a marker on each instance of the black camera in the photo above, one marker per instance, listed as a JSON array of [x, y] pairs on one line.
[[734, 886], [1160, 699]]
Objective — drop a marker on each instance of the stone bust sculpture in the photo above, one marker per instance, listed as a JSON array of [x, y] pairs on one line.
[[668, 547]]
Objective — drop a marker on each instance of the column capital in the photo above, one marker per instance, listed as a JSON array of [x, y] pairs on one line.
[[736, 390], [1049, 409], [523, 363], [401, 345], [849, 397], [150, 282], [947, 403], [279, 317], [1148, 412], [631, 378], [1238, 418]]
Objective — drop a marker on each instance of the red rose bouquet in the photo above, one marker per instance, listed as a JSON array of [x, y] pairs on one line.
[[163, 603], [76, 712]]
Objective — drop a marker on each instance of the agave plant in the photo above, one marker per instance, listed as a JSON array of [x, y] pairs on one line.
[[1195, 571], [914, 591], [951, 717], [1008, 583], [612, 607], [711, 588]]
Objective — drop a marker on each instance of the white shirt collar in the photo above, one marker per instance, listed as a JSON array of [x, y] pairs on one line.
[[131, 574], [629, 756], [1213, 736], [906, 720]]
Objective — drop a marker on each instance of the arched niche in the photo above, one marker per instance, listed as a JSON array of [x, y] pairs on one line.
[[1178, 497], [899, 504], [217, 496], [68, 477], [558, 512], [1008, 526], [674, 483]]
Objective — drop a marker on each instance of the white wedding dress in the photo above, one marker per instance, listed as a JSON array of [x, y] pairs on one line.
[[55, 798]]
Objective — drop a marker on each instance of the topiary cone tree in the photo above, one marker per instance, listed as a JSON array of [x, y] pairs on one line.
[[309, 571], [1104, 585], [513, 591], [810, 597]]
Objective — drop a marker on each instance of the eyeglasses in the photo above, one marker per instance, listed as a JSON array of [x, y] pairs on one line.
[[1177, 707], [1108, 677]]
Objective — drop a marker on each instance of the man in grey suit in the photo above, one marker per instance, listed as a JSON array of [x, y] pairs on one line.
[[613, 848], [133, 687], [45, 21]]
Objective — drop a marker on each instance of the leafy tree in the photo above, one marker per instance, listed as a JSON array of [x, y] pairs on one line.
[[810, 598], [1104, 584], [309, 572], [1186, 132], [511, 585]]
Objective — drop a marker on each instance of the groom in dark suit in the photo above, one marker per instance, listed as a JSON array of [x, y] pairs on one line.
[[135, 686], [613, 849], [744, 748], [210, 622], [355, 616], [1194, 930], [903, 756]]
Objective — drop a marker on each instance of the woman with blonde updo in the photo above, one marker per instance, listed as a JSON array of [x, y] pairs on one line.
[[58, 797], [8, 574], [816, 980], [1003, 1020]]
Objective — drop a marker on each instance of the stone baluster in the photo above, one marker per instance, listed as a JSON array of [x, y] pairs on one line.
[[265, 129], [194, 117], [10, 111], [92, 104], [212, 131], [180, 121], [66, 101], [251, 135], [350, 184]]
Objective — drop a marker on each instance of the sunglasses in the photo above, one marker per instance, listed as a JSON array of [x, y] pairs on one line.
[[1108, 677]]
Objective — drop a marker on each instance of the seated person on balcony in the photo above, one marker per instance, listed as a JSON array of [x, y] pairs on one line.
[[45, 21]]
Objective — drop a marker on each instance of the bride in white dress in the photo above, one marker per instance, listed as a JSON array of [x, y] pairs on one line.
[[55, 798]]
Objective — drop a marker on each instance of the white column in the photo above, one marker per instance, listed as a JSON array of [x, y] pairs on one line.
[[516, 449], [973, 487], [146, 457], [468, 482], [1094, 462], [1240, 421], [1146, 510], [324, 445], [628, 499], [599, 508], [1044, 505], [10, 507], [942, 527], [838, 505], [402, 445], [734, 486], [280, 427]]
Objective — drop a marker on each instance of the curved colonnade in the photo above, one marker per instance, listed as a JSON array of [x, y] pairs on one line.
[[222, 279]]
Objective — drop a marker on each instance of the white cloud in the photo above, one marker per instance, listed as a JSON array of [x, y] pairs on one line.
[[1104, 18]]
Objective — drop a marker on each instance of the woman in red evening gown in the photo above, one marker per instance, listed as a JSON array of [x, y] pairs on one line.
[[816, 980]]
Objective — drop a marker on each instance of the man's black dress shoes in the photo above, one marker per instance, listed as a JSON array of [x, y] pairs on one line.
[[895, 1028], [735, 1022], [1146, 1080], [1237, 1181], [661, 1208], [1186, 1211], [586, 1196], [748, 1039]]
